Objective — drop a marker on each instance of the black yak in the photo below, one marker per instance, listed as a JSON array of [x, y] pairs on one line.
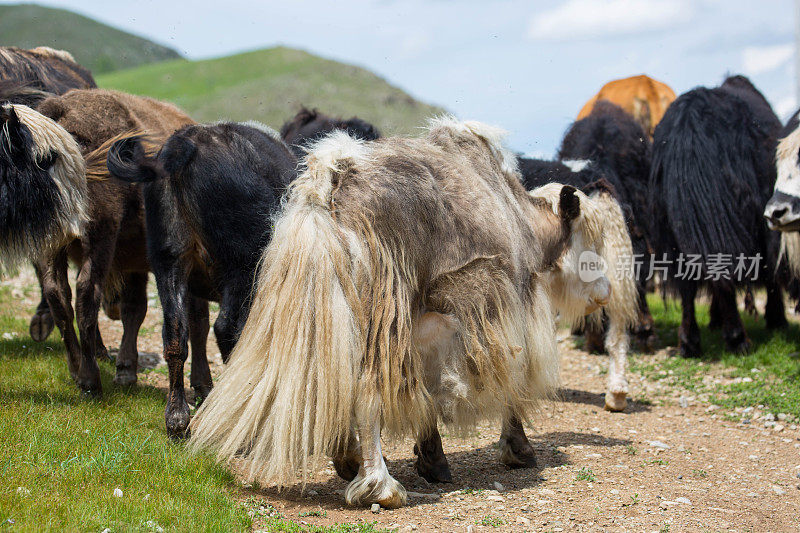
[[713, 171], [209, 193], [309, 125]]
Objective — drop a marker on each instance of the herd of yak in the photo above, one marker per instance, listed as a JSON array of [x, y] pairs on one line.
[[371, 284]]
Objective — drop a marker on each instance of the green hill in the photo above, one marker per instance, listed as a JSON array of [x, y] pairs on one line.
[[96, 46], [270, 85]]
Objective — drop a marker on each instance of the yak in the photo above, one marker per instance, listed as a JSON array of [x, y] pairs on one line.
[[27, 77], [620, 151], [309, 125], [407, 279], [197, 243], [712, 174], [95, 221]]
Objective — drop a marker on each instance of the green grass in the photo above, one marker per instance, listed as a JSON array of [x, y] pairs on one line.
[[96, 46], [270, 85], [776, 355], [62, 456], [585, 474]]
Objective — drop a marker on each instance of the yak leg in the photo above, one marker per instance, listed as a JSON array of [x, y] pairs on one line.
[[617, 344], [715, 312], [133, 309], [347, 461], [775, 313], [173, 291], [234, 307], [732, 328], [373, 484], [97, 251], [689, 331], [645, 328], [594, 331], [431, 460], [515, 449], [200, 374], [55, 288], [42, 322]]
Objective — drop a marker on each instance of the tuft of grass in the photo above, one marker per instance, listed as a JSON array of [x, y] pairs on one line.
[[63, 456], [630, 450], [492, 521], [317, 512], [585, 474]]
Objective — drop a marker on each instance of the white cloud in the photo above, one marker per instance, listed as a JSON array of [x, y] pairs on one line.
[[785, 107], [760, 59], [591, 19]]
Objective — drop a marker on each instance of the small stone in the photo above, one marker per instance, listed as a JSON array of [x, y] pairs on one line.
[[683, 401], [753, 457], [683, 500], [615, 491], [106, 530], [782, 416], [777, 490], [118, 492], [494, 498], [777, 428], [747, 410], [312, 492], [548, 492], [596, 429], [9, 336], [521, 520], [146, 497], [498, 486], [24, 492], [470, 528], [376, 508], [658, 444], [769, 417]]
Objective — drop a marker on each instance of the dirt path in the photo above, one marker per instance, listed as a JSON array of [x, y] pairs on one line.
[[672, 463]]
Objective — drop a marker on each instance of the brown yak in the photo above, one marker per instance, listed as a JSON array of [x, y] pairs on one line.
[[641, 96]]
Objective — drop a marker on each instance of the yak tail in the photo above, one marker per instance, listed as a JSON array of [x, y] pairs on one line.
[[43, 195], [132, 158], [302, 362]]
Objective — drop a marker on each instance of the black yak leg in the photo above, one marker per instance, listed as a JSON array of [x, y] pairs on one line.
[[42, 322], [200, 373], [133, 308], [644, 331], [515, 449], [233, 310], [173, 291], [56, 290], [775, 313], [431, 460], [732, 328], [595, 333], [714, 313], [97, 251], [689, 332], [347, 461]]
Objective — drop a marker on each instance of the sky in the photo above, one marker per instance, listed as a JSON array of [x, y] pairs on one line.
[[527, 66]]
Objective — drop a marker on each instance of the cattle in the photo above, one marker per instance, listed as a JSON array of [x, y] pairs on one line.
[[199, 245], [310, 125], [712, 173], [406, 280]]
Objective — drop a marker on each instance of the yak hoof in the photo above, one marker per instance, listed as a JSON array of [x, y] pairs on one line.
[[41, 326], [517, 455], [616, 401], [125, 377], [433, 469], [346, 466], [376, 487], [90, 391], [742, 347], [177, 420]]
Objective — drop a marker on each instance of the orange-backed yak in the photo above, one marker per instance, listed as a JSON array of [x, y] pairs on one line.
[[641, 96]]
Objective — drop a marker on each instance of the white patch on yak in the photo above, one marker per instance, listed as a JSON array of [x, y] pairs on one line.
[[576, 165]]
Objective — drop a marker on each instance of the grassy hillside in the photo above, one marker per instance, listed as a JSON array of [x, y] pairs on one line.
[[270, 85], [96, 46]]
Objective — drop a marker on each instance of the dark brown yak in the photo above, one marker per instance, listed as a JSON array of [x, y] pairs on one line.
[[107, 241]]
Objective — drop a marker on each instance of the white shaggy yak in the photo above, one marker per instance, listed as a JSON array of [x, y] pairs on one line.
[[606, 222], [405, 281]]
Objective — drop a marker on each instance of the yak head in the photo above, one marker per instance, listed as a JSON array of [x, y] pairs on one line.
[[783, 209], [577, 280]]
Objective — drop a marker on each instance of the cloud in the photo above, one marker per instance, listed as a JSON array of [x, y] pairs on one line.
[[592, 19], [760, 59]]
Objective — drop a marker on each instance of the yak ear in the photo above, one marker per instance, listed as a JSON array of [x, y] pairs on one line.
[[177, 153], [13, 128], [569, 205]]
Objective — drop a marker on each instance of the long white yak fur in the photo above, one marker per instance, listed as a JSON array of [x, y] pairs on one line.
[[332, 327]]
